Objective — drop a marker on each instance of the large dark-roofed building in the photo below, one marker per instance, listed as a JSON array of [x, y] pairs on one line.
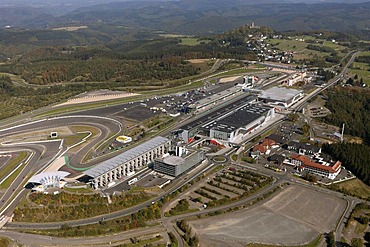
[[191, 129], [239, 122]]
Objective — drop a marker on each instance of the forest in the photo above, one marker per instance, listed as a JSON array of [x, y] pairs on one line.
[[363, 59], [351, 107], [16, 100], [320, 48], [129, 61]]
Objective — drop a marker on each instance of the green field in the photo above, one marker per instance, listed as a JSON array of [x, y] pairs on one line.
[[286, 44], [75, 138], [78, 190], [362, 70], [300, 47], [353, 187], [236, 72], [192, 41]]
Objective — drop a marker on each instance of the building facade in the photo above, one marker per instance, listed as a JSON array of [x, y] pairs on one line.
[[232, 126], [126, 163], [175, 166], [317, 166]]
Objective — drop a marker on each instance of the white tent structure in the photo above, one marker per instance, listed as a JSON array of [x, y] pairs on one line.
[[45, 180]]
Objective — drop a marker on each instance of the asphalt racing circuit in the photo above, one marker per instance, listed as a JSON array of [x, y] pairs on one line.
[[42, 153], [108, 123]]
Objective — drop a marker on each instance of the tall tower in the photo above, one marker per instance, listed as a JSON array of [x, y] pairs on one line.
[[341, 137]]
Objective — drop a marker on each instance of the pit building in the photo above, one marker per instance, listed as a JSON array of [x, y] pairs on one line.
[[134, 159]]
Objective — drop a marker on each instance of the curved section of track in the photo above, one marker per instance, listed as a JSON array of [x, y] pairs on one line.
[[108, 127]]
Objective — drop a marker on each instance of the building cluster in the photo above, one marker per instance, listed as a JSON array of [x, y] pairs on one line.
[[298, 77], [127, 162], [155, 151], [304, 156], [231, 123], [263, 148]]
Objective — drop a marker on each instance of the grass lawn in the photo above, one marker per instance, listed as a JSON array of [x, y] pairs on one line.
[[191, 210], [288, 45], [79, 190], [169, 35], [4, 242], [234, 157], [76, 129], [314, 243], [360, 66], [74, 139], [364, 74], [300, 47], [362, 69], [13, 163], [237, 72], [355, 186], [145, 242], [11, 178], [365, 53]]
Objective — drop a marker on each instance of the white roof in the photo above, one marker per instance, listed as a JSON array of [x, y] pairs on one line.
[[110, 164], [280, 93], [45, 175], [173, 160]]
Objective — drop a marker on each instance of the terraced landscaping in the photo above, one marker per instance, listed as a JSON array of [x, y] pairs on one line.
[[221, 188]]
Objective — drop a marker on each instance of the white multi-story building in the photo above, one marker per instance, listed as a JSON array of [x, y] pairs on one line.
[[128, 162], [317, 166]]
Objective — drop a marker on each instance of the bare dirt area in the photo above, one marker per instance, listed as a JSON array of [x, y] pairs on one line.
[[294, 216], [196, 61], [228, 79], [97, 96], [37, 135], [69, 29]]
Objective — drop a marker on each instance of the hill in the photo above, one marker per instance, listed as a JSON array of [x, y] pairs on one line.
[[206, 16]]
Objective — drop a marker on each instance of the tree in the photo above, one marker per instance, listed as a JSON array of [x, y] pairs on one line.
[[331, 239], [357, 242], [293, 117], [363, 220], [306, 129]]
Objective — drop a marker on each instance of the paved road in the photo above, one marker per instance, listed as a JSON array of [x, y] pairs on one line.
[[138, 207], [106, 127], [298, 106], [55, 225], [33, 240], [39, 156]]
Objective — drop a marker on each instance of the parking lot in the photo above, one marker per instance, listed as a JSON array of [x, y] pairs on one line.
[[294, 216]]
